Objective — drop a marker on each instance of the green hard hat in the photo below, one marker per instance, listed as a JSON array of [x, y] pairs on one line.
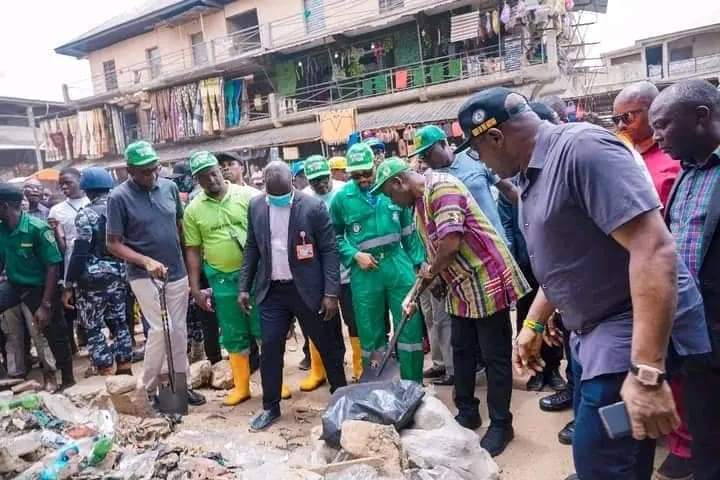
[[359, 157], [200, 161], [140, 154], [387, 170], [426, 137], [316, 166]]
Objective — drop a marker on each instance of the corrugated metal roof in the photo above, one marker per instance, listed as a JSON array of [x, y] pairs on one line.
[[464, 26], [412, 113], [16, 137]]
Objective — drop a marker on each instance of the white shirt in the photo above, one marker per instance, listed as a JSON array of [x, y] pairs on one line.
[[65, 213], [279, 225]]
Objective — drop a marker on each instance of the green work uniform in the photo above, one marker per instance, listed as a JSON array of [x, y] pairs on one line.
[[28, 250], [386, 231], [219, 227]]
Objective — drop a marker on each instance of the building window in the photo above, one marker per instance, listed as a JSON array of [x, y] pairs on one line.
[[681, 53], [387, 5], [110, 74], [314, 16], [244, 30], [199, 49], [153, 60]]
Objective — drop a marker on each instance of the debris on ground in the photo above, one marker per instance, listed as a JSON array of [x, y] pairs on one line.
[[201, 374], [365, 439], [222, 378]]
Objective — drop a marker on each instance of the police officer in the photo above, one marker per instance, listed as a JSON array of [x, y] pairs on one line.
[[99, 280], [32, 261], [377, 240], [378, 149]]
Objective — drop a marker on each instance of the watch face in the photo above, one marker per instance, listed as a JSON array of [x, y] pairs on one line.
[[648, 376]]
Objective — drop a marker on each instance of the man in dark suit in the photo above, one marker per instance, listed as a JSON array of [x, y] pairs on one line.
[[292, 259], [686, 120]]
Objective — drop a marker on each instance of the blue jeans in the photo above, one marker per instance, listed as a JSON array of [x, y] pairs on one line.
[[596, 456]]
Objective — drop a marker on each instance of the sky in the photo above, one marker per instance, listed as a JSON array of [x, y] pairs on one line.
[[33, 28]]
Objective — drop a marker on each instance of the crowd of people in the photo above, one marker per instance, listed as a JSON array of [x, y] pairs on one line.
[[603, 242]]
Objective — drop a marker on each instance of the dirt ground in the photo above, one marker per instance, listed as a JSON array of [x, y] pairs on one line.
[[535, 452]]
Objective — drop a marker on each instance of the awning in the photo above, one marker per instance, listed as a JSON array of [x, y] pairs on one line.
[[412, 113], [47, 175]]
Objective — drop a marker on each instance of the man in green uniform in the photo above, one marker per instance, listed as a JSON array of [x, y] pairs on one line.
[[32, 262], [378, 242], [215, 229]]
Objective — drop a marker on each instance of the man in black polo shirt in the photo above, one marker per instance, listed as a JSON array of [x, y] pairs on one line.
[[32, 262]]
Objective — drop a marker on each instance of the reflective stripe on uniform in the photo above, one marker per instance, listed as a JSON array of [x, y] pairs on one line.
[[410, 347], [408, 230], [379, 241]]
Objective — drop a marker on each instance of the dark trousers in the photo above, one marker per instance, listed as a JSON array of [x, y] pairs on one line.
[[493, 335], [596, 456], [56, 332], [702, 402], [346, 308], [277, 311]]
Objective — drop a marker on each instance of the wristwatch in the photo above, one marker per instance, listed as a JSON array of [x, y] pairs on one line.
[[647, 375]]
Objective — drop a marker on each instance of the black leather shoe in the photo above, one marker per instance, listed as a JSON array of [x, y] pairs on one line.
[[565, 436], [557, 401], [263, 420], [195, 399], [444, 381], [434, 372], [674, 468], [496, 439], [304, 364], [469, 421], [535, 383], [555, 381]]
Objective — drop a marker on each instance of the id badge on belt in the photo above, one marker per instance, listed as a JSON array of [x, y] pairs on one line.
[[304, 251]]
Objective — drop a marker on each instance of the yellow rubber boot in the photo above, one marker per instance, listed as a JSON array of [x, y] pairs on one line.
[[316, 378], [240, 365], [357, 366], [285, 392]]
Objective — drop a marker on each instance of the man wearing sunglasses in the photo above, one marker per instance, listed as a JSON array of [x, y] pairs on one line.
[[630, 116], [378, 242]]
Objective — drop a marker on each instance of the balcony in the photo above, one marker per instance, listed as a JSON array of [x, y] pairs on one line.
[[696, 65]]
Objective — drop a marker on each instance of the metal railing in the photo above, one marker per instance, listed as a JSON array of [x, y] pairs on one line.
[[429, 72], [706, 63]]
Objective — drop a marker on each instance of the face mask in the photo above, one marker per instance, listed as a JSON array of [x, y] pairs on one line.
[[280, 200]]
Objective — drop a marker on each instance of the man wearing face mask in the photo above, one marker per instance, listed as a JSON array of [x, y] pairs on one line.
[[143, 228], [378, 242], [291, 258], [318, 172]]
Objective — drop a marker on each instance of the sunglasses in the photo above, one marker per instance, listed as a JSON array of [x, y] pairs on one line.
[[625, 117], [361, 174]]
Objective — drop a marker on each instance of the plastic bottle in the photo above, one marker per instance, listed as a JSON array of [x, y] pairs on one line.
[[50, 439], [29, 402], [52, 471], [99, 450]]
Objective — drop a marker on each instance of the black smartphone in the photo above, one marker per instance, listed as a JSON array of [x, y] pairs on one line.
[[616, 420]]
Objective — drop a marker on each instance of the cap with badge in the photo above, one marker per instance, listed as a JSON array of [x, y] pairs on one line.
[[359, 157], [387, 170], [316, 166], [486, 110], [200, 161], [10, 193], [426, 137], [140, 154]]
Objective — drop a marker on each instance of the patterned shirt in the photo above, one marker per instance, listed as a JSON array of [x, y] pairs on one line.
[[87, 227], [483, 278], [689, 209]]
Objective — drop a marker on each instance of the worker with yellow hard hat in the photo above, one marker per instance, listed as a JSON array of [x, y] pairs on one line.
[[338, 167]]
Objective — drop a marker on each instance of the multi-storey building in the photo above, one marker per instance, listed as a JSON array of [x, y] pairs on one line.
[[300, 75]]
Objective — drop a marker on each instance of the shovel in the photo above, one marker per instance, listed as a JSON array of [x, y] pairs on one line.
[[382, 365], [172, 396]]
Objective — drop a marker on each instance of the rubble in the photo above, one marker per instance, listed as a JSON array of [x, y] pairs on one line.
[[28, 386], [436, 442], [134, 402], [222, 378], [364, 439], [201, 374], [119, 384]]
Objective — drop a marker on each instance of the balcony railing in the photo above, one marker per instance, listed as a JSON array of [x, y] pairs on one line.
[[429, 72], [707, 63]]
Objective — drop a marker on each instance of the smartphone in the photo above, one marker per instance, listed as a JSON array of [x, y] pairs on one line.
[[616, 420]]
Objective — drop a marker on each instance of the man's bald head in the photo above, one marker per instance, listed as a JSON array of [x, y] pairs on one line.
[[630, 113], [278, 178], [686, 120]]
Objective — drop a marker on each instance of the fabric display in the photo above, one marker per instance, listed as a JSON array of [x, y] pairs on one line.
[[236, 103], [406, 50], [189, 110], [337, 125], [286, 78]]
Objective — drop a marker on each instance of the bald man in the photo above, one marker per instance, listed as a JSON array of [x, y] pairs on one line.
[[33, 190], [630, 115], [292, 259], [686, 120]]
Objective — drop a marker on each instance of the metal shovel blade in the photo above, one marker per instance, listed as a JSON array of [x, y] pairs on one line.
[[374, 372], [172, 396]]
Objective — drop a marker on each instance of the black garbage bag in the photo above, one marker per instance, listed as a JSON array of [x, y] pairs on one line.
[[387, 403]]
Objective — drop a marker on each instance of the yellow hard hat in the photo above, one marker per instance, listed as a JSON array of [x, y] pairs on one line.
[[338, 163]]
